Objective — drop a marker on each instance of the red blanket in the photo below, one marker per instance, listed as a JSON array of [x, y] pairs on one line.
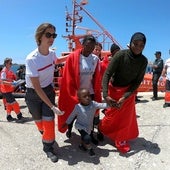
[[120, 124], [104, 65], [70, 83]]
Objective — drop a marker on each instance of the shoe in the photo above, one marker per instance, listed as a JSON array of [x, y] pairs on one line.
[[68, 134], [52, 156], [122, 146], [137, 100], [82, 148], [100, 136], [19, 116], [166, 105], [41, 132], [154, 98], [91, 153], [10, 118], [20, 119], [94, 141]]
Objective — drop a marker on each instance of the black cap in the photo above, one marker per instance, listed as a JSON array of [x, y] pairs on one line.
[[157, 52], [114, 47]]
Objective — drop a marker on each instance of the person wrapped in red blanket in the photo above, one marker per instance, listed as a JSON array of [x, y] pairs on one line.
[[82, 70], [121, 79]]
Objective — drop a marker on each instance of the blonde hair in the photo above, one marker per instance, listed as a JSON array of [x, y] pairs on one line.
[[41, 30]]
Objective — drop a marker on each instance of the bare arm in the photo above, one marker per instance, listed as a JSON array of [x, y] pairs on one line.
[[6, 82], [164, 71], [61, 59]]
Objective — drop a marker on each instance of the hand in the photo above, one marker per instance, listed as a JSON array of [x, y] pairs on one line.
[[120, 102], [111, 102], [57, 110], [14, 83]]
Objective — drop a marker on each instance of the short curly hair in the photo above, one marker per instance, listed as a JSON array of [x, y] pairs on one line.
[[6, 60]]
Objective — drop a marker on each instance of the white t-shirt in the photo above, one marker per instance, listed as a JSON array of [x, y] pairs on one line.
[[38, 65], [167, 64], [87, 69]]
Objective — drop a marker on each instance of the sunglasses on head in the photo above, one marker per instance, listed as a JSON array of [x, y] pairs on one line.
[[49, 35]]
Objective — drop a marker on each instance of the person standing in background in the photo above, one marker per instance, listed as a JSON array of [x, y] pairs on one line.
[[104, 64], [157, 70], [21, 75], [40, 94], [166, 73], [3, 99], [8, 84], [106, 60], [97, 50], [121, 79]]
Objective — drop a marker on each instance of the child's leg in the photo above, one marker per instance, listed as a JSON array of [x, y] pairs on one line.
[[100, 136], [86, 143], [70, 126], [93, 140], [85, 139], [95, 123]]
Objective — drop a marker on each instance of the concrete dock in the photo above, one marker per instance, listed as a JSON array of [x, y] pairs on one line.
[[21, 147]]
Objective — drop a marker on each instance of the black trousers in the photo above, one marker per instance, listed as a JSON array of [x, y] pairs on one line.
[[155, 80], [85, 137], [167, 85]]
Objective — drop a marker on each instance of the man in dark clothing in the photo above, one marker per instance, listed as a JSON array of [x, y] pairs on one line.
[[157, 70]]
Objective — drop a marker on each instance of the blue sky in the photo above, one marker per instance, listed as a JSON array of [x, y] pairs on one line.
[[20, 18]]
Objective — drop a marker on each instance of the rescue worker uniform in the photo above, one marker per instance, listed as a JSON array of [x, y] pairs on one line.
[[157, 70], [7, 90]]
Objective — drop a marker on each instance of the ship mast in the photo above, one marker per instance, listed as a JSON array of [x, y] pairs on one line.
[[71, 24], [105, 32]]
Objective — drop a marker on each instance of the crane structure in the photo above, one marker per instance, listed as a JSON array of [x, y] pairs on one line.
[[72, 21]]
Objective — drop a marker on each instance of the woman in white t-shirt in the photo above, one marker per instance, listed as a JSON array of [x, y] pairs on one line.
[[40, 95]]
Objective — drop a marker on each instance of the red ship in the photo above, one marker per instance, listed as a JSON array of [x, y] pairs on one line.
[[73, 20]]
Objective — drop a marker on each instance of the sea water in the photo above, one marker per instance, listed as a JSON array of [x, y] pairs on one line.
[[15, 67]]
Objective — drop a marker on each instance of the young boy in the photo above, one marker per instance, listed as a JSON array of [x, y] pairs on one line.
[[84, 113]]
